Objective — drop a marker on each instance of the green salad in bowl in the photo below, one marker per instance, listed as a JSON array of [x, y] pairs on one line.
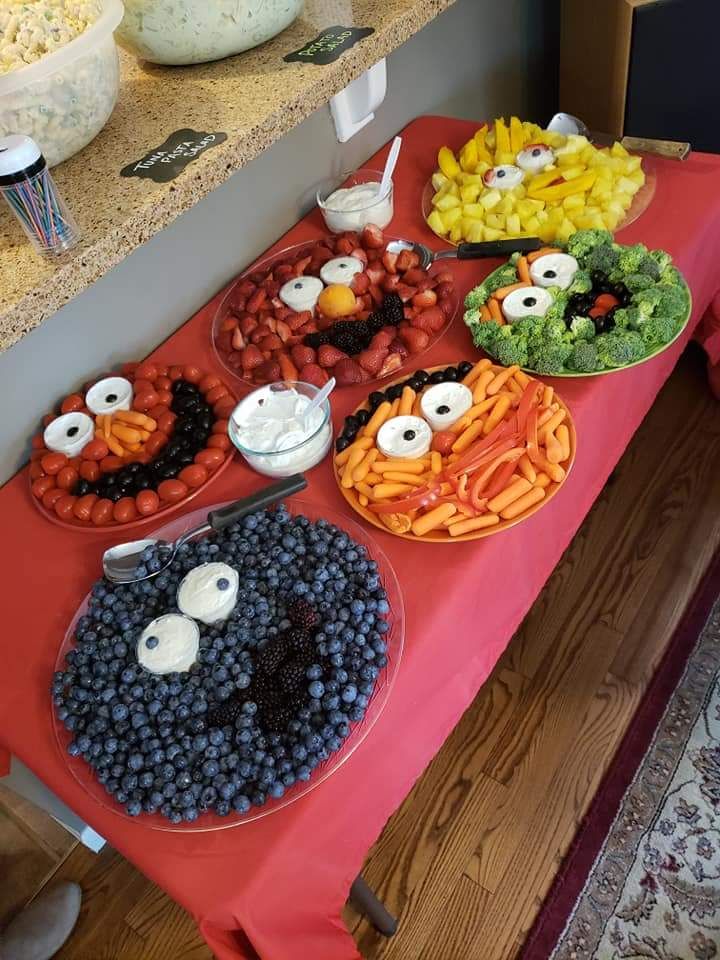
[[586, 307]]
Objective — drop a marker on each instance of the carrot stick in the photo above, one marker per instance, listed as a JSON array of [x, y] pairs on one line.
[[495, 311], [563, 435], [553, 448], [363, 468], [433, 518], [477, 523], [404, 466], [497, 413], [355, 459], [436, 462], [501, 379], [479, 368], [384, 491], [467, 436], [522, 378], [407, 399], [553, 470], [547, 397], [526, 468], [481, 385], [485, 314], [523, 271], [363, 443], [399, 477], [136, 419], [542, 252], [363, 500], [502, 292], [509, 495], [542, 480], [523, 503], [552, 423], [377, 419]]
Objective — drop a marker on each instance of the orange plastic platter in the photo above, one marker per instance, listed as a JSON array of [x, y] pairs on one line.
[[441, 535]]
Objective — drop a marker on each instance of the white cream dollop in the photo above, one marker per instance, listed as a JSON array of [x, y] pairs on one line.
[[554, 270], [445, 403], [340, 270], [503, 177], [209, 592], [535, 157], [109, 395], [69, 433], [394, 440], [526, 302], [352, 208], [301, 293], [176, 649]]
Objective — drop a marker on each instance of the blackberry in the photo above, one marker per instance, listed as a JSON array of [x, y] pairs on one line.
[[273, 654], [224, 714], [349, 342], [302, 614], [293, 682], [316, 340], [375, 322], [392, 309]]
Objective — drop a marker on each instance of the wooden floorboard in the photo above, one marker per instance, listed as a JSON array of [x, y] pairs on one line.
[[467, 859]]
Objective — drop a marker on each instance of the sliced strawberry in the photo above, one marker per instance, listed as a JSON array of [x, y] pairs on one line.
[[260, 332], [397, 346], [372, 360], [282, 330], [374, 256], [404, 261], [251, 357], [360, 255], [269, 371], [415, 339], [377, 295], [425, 298], [223, 341], [409, 312], [390, 261], [360, 284], [352, 236], [237, 303], [324, 323], [312, 373], [238, 340], [445, 277], [348, 372], [390, 283], [375, 273], [297, 320], [234, 359], [414, 277], [300, 266], [344, 246], [444, 290], [270, 322], [372, 237], [256, 300], [433, 317], [271, 287], [382, 339], [257, 277], [447, 306], [246, 288], [328, 356], [248, 323], [421, 322], [302, 355], [392, 362], [288, 370], [427, 284], [405, 292], [229, 322], [283, 272]]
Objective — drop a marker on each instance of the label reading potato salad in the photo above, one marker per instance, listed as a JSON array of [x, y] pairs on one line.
[[328, 45], [165, 162]]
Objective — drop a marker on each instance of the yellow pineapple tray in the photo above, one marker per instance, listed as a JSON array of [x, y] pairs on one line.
[[587, 186], [441, 535]]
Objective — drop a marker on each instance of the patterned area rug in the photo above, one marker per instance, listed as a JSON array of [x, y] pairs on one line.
[[642, 879]]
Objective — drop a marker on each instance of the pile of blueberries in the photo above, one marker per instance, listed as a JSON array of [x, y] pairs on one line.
[[147, 737], [580, 304], [417, 381], [191, 431]]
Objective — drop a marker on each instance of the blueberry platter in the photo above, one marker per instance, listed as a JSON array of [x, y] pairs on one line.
[[236, 680]]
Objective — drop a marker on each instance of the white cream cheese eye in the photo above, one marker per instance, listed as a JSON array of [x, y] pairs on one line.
[[535, 157], [209, 592], [340, 270], [504, 177], [404, 438], [109, 395], [554, 270], [169, 644], [445, 403], [526, 302], [69, 433], [301, 293]]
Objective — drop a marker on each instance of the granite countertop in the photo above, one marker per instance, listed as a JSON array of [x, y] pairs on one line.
[[254, 98]]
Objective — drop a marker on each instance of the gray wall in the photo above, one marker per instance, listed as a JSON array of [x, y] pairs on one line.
[[478, 59]]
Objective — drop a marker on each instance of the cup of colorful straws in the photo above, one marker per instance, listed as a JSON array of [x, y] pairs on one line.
[[31, 194]]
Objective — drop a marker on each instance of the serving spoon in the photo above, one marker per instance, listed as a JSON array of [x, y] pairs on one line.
[[120, 563], [466, 251]]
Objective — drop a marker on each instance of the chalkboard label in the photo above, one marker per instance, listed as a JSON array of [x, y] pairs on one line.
[[165, 162], [328, 45]]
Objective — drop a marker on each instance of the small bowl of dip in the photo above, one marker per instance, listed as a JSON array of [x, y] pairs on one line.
[[351, 200], [269, 429]]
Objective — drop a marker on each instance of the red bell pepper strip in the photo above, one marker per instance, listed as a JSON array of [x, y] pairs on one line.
[[529, 398], [480, 482], [501, 479], [420, 499], [533, 450]]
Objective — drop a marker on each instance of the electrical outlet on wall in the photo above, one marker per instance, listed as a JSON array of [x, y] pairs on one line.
[[354, 107]]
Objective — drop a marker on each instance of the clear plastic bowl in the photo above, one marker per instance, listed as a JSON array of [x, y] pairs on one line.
[[65, 99], [299, 458], [377, 210], [195, 31]]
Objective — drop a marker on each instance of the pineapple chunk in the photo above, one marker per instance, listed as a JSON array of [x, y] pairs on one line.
[[447, 202], [546, 232], [568, 159], [482, 168], [496, 221], [626, 185], [475, 233], [632, 163], [605, 174], [611, 220], [525, 208], [532, 226], [474, 210], [571, 173], [491, 199], [435, 222], [456, 234], [469, 178], [637, 176], [565, 230], [502, 139], [443, 191], [491, 234], [618, 150], [576, 201], [469, 194], [439, 180], [504, 156], [517, 136], [519, 192], [452, 217], [512, 224]]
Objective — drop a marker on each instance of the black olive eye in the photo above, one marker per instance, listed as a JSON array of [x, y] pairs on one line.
[[536, 152], [443, 408], [501, 173], [343, 265], [298, 286], [550, 274], [529, 302], [223, 583], [151, 642], [409, 435], [111, 398], [72, 431]]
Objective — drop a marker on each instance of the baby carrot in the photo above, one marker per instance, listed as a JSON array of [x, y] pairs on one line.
[[372, 478], [397, 477], [363, 500], [555, 420], [479, 368], [523, 503], [485, 314], [416, 408], [522, 378], [384, 491], [523, 270], [476, 523], [406, 401], [514, 386], [553, 470], [394, 408], [364, 490], [136, 419], [404, 466], [509, 495], [542, 480], [495, 311], [434, 518], [547, 397], [115, 446], [502, 292], [553, 448], [500, 379], [467, 436], [563, 435], [436, 462], [496, 414], [354, 460], [126, 434], [481, 385], [377, 419], [363, 443], [363, 468], [526, 468], [542, 252]]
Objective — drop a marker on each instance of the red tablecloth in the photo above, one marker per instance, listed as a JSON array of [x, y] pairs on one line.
[[276, 887]]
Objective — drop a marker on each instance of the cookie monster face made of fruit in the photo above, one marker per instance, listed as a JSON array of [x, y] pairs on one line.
[[131, 445], [520, 180], [343, 306]]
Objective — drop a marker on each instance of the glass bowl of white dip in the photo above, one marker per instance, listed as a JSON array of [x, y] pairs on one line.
[[351, 200], [269, 429]]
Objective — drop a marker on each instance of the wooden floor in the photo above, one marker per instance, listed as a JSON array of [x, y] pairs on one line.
[[466, 861]]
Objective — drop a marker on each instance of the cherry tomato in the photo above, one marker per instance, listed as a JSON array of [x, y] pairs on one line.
[[127, 369], [210, 458], [48, 419], [102, 512], [67, 478], [165, 397], [172, 490], [443, 441], [224, 407], [166, 422], [83, 506], [155, 442], [124, 510], [53, 462], [37, 454], [142, 386], [217, 393], [220, 426], [72, 403], [89, 470], [162, 369], [42, 485], [144, 401], [219, 442], [37, 442], [192, 374], [146, 371], [208, 382], [64, 506], [97, 449], [111, 463], [36, 470], [194, 475], [51, 495], [163, 383], [157, 411], [147, 502], [175, 373]]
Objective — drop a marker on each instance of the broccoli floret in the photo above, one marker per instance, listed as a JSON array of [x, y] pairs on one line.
[[627, 318], [672, 277], [649, 268], [529, 326], [671, 301], [583, 241], [584, 357], [582, 328], [554, 328], [637, 281], [471, 316], [662, 259], [660, 328], [484, 335], [499, 278], [550, 355], [511, 349], [556, 310], [581, 283], [631, 257], [604, 258], [619, 348]]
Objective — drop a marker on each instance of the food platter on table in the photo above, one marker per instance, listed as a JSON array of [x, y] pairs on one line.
[[131, 446], [434, 479], [84, 763], [584, 308], [492, 191], [360, 313]]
